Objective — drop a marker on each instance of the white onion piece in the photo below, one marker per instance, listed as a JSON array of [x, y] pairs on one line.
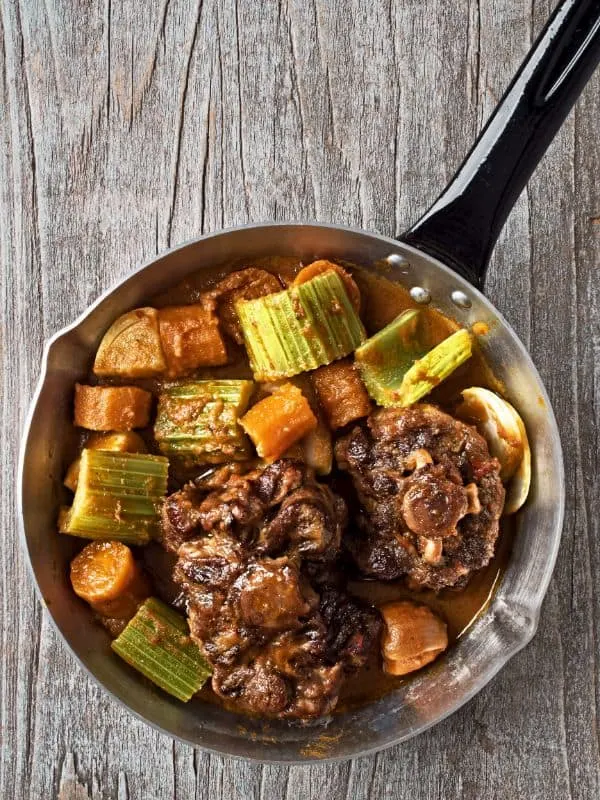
[[504, 431], [498, 423], [518, 488], [412, 637]]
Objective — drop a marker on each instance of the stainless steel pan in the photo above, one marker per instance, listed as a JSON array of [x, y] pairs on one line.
[[442, 258]]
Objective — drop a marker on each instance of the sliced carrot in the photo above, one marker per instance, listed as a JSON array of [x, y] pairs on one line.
[[321, 266], [341, 393], [111, 408], [191, 338], [277, 422], [105, 575]]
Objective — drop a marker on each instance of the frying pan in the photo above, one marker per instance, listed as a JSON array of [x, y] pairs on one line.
[[442, 259]]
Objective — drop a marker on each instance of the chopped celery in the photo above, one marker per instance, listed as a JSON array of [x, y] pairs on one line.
[[437, 365], [157, 643], [384, 358], [118, 497], [300, 329], [395, 367], [197, 421]]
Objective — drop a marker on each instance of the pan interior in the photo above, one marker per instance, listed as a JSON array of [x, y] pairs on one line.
[[508, 624]]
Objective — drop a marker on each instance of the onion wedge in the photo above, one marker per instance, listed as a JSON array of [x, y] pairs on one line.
[[504, 431]]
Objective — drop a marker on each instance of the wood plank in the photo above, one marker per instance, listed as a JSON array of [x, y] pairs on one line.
[[129, 127]]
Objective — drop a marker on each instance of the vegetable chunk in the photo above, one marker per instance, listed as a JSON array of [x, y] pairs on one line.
[[247, 284], [157, 643], [301, 328], [341, 393], [277, 422], [385, 358], [190, 338], [437, 365], [111, 408], [106, 575], [131, 347], [322, 266], [128, 442], [119, 496], [198, 421]]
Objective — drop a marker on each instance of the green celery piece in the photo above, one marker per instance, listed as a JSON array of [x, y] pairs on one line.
[[299, 329], [437, 365], [157, 643], [118, 497], [386, 357], [197, 421]]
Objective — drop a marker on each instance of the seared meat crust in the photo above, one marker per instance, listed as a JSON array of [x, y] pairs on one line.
[[430, 492], [280, 641]]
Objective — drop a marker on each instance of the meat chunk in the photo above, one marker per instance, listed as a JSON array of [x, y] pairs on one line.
[[227, 500], [309, 521], [430, 492], [280, 641]]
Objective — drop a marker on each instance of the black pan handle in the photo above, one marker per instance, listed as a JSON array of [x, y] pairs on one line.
[[461, 227]]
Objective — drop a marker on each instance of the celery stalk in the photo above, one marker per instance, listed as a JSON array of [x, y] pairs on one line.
[[397, 370], [437, 365], [300, 329], [157, 643], [197, 421], [384, 358], [118, 497]]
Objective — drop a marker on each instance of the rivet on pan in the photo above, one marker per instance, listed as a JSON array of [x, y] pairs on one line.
[[398, 261], [460, 299], [420, 295]]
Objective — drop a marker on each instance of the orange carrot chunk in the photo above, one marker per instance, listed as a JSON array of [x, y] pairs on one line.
[[277, 422], [341, 393], [111, 408], [106, 576], [191, 338]]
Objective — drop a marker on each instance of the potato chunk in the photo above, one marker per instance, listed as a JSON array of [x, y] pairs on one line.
[[191, 338], [131, 347], [111, 408], [341, 393]]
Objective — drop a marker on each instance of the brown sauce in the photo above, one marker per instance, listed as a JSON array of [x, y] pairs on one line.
[[382, 301]]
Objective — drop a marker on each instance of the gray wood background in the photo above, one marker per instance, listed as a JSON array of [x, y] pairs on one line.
[[128, 126]]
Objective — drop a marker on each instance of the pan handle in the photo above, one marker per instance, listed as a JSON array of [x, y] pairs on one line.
[[461, 227]]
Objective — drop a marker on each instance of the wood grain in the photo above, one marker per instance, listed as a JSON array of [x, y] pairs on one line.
[[127, 127]]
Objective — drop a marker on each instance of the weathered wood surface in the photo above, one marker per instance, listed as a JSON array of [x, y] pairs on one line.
[[126, 127]]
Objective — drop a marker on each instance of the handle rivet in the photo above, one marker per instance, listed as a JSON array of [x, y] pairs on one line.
[[460, 299], [399, 262], [420, 295]]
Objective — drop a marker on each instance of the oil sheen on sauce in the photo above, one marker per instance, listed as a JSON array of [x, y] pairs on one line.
[[382, 301]]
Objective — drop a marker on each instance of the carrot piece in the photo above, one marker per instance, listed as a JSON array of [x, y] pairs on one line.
[[131, 347], [321, 266], [105, 575], [277, 422], [341, 393], [111, 408], [191, 338]]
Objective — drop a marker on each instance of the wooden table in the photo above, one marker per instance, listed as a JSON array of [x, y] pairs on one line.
[[127, 127]]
